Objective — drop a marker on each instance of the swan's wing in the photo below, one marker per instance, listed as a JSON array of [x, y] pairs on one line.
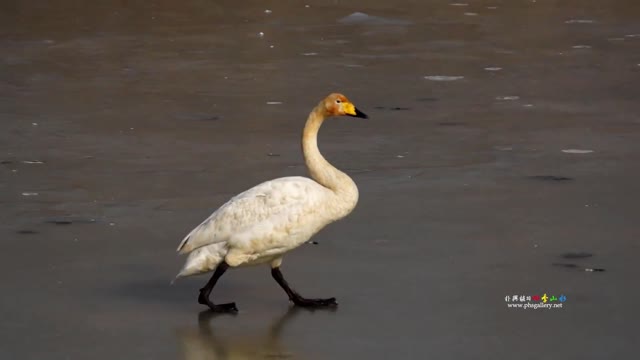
[[270, 237], [276, 235], [270, 201]]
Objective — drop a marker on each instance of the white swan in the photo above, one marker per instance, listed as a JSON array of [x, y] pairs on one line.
[[263, 223]]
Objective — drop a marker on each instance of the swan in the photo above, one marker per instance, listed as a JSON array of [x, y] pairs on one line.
[[263, 223]]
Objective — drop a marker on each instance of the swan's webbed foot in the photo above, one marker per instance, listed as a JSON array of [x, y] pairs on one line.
[[314, 303], [296, 298], [218, 308], [203, 298]]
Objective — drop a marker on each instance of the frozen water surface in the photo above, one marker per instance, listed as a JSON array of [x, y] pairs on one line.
[[474, 183]]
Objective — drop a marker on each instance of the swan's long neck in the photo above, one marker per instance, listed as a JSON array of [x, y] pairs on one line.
[[320, 169]]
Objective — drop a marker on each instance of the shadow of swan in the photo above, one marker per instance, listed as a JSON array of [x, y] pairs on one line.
[[204, 343]]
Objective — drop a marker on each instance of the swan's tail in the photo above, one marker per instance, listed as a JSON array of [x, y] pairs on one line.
[[183, 243], [202, 260]]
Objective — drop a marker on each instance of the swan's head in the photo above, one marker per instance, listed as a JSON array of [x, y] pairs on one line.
[[338, 105]]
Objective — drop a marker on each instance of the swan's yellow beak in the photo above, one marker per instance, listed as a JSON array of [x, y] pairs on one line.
[[351, 110]]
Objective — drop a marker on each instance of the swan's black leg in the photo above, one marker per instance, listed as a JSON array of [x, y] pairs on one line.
[[295, 297], [206, 291]]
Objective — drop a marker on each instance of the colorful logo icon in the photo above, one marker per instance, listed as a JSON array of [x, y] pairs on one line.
[[544, 298]]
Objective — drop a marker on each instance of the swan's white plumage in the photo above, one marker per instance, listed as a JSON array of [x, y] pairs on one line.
[[259, 224]]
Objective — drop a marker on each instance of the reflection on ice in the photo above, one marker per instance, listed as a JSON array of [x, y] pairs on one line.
[[203, 342]]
